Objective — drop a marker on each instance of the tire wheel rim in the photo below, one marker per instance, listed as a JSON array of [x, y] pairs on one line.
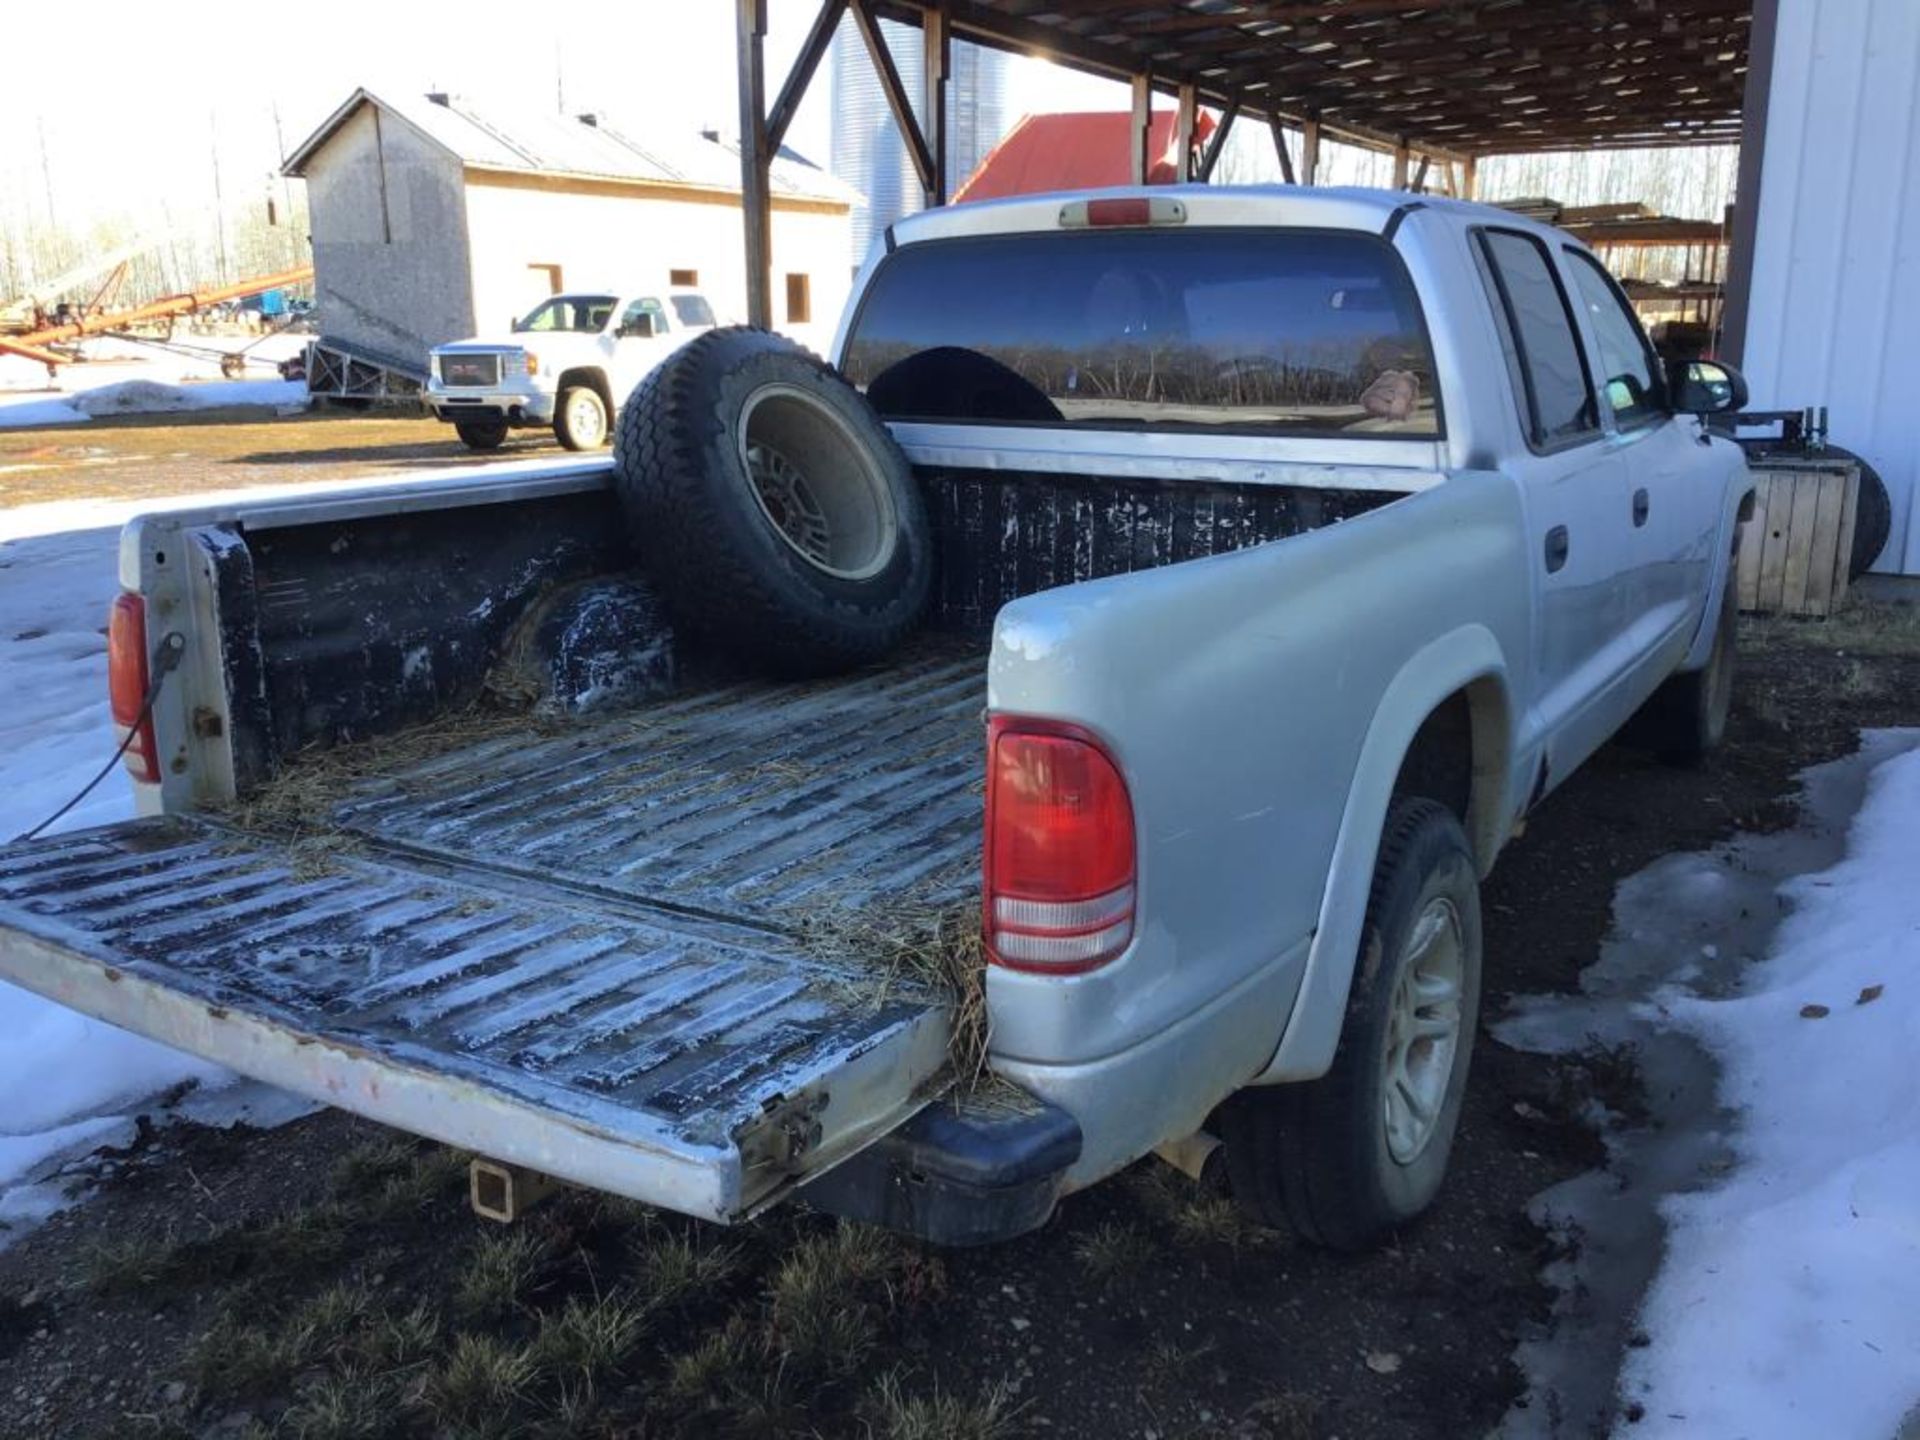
[[816, 483], [1423, 1030], [583, 419]]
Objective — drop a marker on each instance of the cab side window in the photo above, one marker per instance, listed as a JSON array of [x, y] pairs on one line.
[[1544, 357], [1632, 388], [648, 306]]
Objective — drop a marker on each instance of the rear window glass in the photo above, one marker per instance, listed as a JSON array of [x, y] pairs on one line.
[[1297, 332]]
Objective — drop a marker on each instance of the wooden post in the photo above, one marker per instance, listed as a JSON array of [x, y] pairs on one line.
[[1219, 140], [1402, 159], [1470, 178], [1186, 116], [1420, 175], [888, 73], [756, 203], [819, 39], [938, 50], [1142, 124], [1280, 149], [1310, 151]]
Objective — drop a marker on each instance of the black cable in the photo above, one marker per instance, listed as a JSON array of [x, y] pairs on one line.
[[170, 651]]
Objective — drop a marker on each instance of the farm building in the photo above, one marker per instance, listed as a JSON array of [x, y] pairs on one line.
[[434, 219], [1822, 96]]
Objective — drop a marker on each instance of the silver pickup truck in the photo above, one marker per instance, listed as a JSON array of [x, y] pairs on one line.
[[1290, 546]]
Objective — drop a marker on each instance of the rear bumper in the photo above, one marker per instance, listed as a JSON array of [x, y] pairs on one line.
[[959, 1172]]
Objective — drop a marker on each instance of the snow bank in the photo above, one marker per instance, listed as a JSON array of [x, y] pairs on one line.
[[1787, 1303], [64, 1079], [149, 397]]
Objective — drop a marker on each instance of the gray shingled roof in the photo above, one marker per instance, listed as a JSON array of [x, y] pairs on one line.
[[496, 137]]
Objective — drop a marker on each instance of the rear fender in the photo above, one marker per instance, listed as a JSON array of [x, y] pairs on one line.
[[1467, 658]]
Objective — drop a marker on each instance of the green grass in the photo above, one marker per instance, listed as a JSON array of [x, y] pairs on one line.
[[1113, 1252], [498, 1274], [896, 1415]]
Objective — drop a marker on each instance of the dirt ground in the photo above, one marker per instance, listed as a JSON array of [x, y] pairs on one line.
[[138, 456], [326, 1280]]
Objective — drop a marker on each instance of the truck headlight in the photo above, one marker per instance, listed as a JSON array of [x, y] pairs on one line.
[[533, 363]]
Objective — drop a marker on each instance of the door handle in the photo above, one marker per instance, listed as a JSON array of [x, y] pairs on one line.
[[1640, 506], [1557, 545]]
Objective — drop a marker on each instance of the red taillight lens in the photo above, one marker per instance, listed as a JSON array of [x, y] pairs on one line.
[[1059, 855], [127, 684]]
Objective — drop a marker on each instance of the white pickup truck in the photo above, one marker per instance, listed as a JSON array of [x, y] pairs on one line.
[[566, 364], [1286, 547]]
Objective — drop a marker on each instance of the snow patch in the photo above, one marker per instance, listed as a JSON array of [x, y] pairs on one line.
[[1786, 1304], [67, 1082]]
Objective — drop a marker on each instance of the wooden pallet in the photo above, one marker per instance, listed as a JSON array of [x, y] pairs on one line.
[[1793, 558]]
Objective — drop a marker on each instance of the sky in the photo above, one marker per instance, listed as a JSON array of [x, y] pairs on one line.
[[148, 118], [133, 103]]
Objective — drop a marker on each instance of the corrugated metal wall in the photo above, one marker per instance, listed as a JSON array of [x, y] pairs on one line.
[[1834, 316]]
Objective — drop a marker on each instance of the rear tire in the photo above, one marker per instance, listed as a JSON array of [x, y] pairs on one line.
[[580, 418], [481, 434], [1350, 1158], [1685, 720], [778, 515]]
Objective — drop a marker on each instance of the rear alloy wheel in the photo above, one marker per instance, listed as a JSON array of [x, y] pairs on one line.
[[481, 434], [580, 418], [818, 486], [1349, 1158]]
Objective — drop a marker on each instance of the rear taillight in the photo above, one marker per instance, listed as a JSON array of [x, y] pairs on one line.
[[127, 685], [1059, 853]]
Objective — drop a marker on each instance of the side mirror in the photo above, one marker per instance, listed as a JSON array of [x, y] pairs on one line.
[[638, 327], [1705, 387]]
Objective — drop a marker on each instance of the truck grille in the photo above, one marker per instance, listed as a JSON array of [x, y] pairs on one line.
[[470, 369]]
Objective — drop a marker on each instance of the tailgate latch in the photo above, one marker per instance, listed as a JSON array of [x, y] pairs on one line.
[[790, 1128]]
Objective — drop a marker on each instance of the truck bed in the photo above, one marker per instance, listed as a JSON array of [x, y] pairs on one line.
[[589, 948]]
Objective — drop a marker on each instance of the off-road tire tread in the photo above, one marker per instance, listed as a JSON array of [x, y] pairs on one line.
[[721, 595]]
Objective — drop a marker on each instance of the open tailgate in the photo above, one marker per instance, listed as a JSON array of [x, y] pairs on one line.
[[690, 1061]]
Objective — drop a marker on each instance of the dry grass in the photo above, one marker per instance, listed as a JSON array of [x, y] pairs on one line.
[[1863, 627], [920, 947], [302, 800]]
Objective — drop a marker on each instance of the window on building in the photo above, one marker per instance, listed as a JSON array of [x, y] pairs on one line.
[[1631, 384], [1296, 332], [799, 300], [1543, 349], [683, 277]]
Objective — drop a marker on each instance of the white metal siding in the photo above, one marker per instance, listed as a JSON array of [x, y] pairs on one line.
[[1835, 309]]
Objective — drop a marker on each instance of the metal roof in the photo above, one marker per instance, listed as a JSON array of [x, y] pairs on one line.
[[1074, 151], [1447, 77], [494, 137]]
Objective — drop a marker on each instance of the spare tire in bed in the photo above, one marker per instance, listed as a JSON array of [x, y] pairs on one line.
[[771, 506]]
